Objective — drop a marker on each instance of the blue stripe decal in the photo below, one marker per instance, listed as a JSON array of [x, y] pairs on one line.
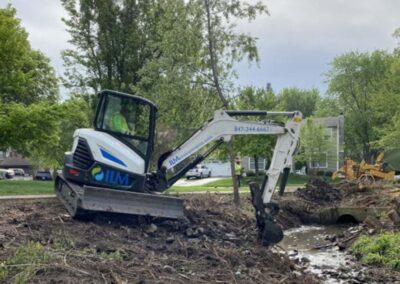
[[111, 157]]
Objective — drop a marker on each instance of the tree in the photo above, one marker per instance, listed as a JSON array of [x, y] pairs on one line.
[[25, 74], [356, 80], [28, 128], [314, 146], [42, 131], [224, 47], [327, 106], [256, 146], [291, 99]]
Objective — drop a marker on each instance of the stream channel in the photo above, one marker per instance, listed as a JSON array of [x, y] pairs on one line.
[[332, 265]]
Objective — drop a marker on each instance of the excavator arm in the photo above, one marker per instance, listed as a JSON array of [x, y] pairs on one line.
[[220, 129]]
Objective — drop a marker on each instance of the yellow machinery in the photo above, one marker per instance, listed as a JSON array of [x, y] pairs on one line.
[[364, 173]]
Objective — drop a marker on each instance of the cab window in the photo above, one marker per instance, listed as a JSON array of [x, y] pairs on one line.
[[127, 118]]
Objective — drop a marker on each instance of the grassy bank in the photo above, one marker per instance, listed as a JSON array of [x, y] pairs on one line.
[[382, 250]]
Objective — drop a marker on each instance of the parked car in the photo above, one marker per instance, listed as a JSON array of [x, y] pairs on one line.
[[199, 171], [18, 172], [43, 175], [9, 173], [3, 174]]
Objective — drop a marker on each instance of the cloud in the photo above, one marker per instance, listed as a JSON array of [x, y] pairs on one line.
[[296, 42], [299, 39]]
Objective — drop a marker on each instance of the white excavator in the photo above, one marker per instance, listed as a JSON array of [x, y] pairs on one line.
[[107, 169]]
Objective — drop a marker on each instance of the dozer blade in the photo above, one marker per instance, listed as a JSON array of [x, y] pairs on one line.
[[78, 200]]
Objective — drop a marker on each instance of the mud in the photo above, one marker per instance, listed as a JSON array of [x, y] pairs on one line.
[[216, 244], [319, 191]]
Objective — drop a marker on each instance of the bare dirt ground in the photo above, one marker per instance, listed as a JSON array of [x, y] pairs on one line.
[[40, 243]]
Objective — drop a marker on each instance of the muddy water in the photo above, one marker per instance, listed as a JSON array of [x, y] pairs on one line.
[[332, 265]]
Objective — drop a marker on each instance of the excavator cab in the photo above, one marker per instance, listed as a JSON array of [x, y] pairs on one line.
[[130, 119]]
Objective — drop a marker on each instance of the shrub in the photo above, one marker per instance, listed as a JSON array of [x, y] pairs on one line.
[[383, 249]]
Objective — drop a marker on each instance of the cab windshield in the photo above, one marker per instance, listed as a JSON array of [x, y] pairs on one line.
[[127, 118]]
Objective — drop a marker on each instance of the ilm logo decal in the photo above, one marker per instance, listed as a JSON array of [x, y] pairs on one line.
[[110, 176]]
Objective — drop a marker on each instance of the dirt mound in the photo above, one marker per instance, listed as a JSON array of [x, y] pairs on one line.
[[319, 191], [216, 244]]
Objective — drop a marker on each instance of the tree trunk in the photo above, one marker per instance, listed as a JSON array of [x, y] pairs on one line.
[[236, 196], [256, 164], [215, 79]]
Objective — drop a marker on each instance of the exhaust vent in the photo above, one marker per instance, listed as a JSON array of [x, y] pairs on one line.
[[82, 157]]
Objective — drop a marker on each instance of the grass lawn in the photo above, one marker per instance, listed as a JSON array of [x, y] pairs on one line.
[[32, 187], [294, 180], [26, 187], [225, 184]]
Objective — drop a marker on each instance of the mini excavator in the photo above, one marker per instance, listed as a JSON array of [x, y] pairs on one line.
[[108, 167]]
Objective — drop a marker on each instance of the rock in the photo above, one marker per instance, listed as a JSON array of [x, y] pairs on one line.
[[170, 240], [330, 238], [341, 246], [394, 216], [297, 274], [189, 232], [230, 236], [151, 229], [200, 230], [293, 253], [396, 203], [305, 259], [371, 231], [169, 269], [247, 252], [372, 222]]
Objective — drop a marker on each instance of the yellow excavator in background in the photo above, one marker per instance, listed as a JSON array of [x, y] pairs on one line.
[[364, 173]]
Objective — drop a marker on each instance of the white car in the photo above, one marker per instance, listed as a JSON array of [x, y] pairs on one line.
[[199, 171]]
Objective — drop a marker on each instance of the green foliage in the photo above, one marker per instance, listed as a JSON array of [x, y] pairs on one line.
[[327, 106], [314, 147], [62, 242], [28, 128], [291, 99], [255, 145], [42, 131], [115, 255], [27, 260], [25, 74], [357, 81], [383, 249]]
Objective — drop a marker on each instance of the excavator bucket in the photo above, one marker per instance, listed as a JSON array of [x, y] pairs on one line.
[[269, 232], [79, 200]]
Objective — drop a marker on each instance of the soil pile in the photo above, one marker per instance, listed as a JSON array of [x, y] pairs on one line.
[[216, 244], [319, 191]]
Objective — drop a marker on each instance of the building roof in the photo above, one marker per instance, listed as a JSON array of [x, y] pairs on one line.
[[14, 162]]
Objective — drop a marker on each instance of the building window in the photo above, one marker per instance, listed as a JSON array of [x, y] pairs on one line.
[[323, 163], [328, 133], [261, 164]]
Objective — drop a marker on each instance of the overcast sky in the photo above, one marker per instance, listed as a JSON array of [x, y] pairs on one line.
[[296, 42]]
